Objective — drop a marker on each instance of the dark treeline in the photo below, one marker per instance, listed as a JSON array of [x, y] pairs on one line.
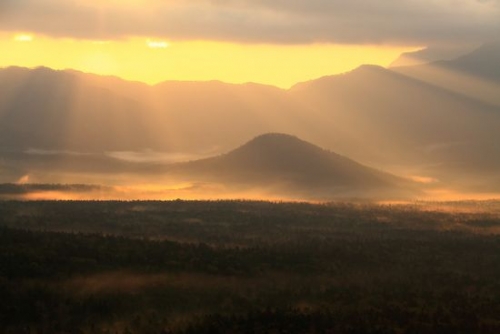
[[19, 189], [232, 222], [246, 267]]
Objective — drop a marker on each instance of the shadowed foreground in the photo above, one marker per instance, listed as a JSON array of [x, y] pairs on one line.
[[248, 267]]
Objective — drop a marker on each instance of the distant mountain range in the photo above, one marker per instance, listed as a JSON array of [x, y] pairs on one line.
[[438, 120]]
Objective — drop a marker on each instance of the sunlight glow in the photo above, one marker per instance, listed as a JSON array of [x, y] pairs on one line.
[[278, 65], [23, 38], [453, 195], [157, 44], [458, 82], [423, 179], [24, 179], [99, 62], [101, 42]]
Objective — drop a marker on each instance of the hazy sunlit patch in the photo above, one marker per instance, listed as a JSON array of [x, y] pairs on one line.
[[457, 81], [54, 195], [154, 44], [23, 179], [99, 62], [154, 156], [424, 179], [162, 190], [98, 42], [23, 38], [454, 195]]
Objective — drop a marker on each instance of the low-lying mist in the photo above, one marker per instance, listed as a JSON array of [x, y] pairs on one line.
[[207, 191], [269, 167]]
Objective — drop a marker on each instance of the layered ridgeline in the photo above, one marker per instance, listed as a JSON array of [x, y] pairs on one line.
[[475, 74], [84, 113], [432, 54], [437, 121]]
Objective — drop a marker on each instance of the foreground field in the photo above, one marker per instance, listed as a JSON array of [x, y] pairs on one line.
[[249, 267]]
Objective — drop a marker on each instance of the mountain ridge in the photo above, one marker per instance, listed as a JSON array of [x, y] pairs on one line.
[[287, 164]]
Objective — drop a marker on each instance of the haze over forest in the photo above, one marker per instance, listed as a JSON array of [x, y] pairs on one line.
[[429, 118]]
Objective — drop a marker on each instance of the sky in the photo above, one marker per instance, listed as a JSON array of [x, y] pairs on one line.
[[277, 42]]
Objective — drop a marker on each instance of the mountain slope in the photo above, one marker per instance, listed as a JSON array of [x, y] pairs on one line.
[[431, 54], [476, 74], [56, 110], [288, 165], [73, 111], [482, 62], [394, 118]]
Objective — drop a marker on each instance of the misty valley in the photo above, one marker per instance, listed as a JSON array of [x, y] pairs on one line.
[[427, 131], [249, 267]]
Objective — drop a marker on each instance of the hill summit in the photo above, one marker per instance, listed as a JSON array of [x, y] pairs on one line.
[[288, 164]]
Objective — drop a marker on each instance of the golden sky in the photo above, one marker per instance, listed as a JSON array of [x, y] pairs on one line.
[[278, 42], [153, 60]]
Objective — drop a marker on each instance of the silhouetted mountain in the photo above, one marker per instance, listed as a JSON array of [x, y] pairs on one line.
[[431, 54], [55, 110], [482, 62], [476, 74], [390, 115], [72, 111], [284, 164]]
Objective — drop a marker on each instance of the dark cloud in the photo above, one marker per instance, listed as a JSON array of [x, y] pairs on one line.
[[261, 21]]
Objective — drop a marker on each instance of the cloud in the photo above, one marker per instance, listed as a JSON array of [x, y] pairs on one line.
[[260, 21]]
